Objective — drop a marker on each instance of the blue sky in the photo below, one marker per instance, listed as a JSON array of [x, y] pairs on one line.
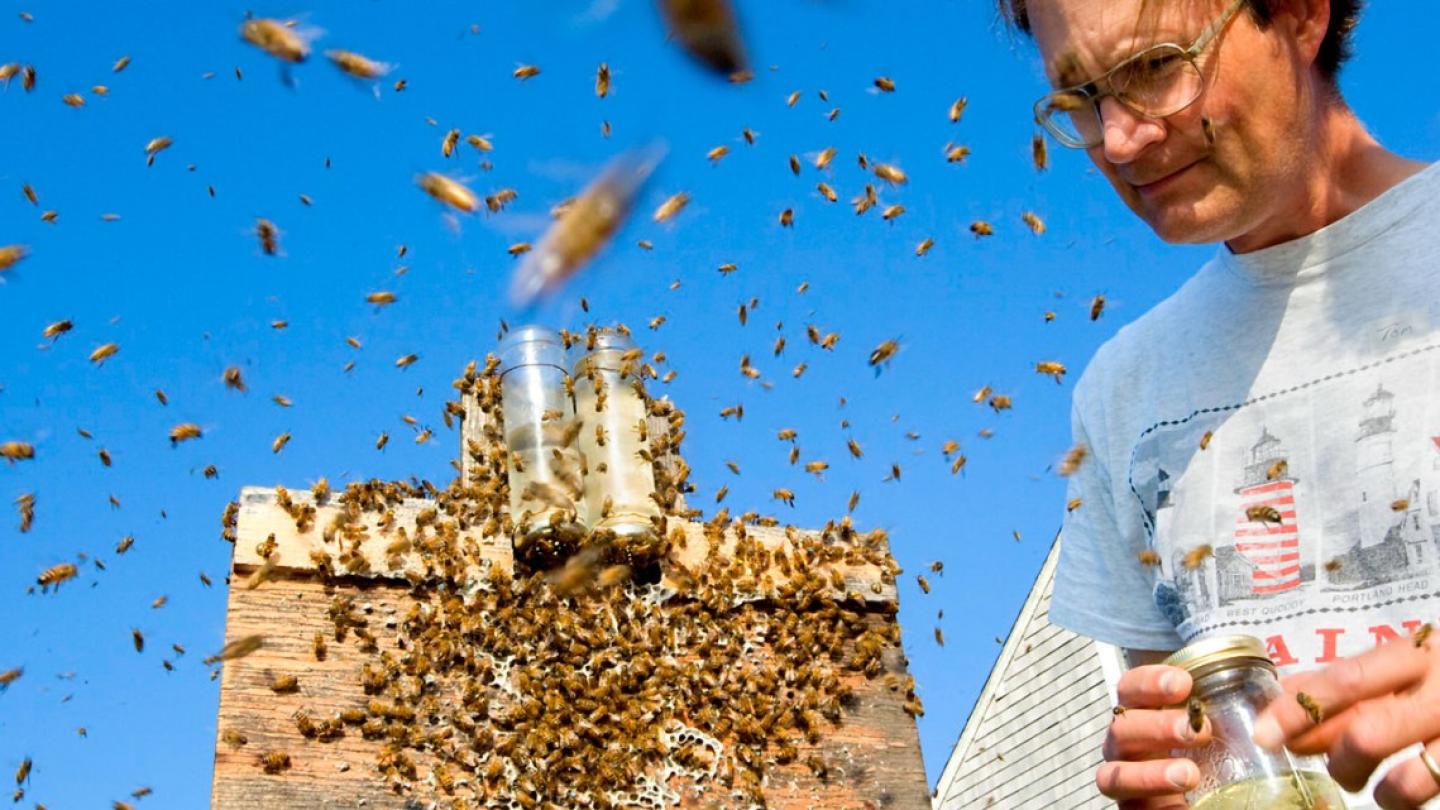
[[180, 283]]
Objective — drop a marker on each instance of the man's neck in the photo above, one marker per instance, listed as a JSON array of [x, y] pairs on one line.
[[1346, 169]]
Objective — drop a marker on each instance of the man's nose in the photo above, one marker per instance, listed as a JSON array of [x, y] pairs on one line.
[[1126, 133]]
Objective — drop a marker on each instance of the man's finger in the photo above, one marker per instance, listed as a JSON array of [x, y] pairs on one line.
[[1318, 740], [1409, 784], [1153, 686], [1139, 780], [1144, 733], [1384, 670], [1382, 727]]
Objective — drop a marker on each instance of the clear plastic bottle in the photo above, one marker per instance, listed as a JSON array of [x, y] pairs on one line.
[[1234, 679], [541, 433], [620, 478]]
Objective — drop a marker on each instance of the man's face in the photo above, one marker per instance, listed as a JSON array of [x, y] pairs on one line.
[[1166, 170]]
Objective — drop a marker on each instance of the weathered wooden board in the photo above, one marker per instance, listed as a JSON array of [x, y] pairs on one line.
[[875, 753]]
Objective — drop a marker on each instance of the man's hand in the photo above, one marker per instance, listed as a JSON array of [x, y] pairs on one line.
[[1370, 706], [1139, 770]]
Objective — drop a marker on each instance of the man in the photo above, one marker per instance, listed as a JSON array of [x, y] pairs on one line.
[[1264, 446]]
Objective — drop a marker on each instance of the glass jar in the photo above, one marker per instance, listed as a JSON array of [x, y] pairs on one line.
[[1234, 679], [546, 480], [620, 476]]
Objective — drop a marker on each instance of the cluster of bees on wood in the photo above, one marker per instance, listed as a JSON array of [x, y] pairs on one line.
[[564, 684]]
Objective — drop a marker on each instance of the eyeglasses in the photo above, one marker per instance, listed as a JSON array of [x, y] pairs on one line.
[[1157, 82]]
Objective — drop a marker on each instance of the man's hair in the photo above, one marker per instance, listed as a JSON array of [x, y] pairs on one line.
[[1334, 50]]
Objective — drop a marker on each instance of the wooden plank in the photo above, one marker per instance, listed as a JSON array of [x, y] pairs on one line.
[[875, 752]]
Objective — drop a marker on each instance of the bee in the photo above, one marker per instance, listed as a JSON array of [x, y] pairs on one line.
[[1264, 514], [714, 155], [982, 228], [120, 64], [1196, 556], [981, 395], [284, 684], [1052, 368], [785, 496], [104, 352], [865, 201], [733, 467], [924, 583], [239, 648], [1073, 504], [73, 99], [25, 504], [27, 77], [280, 442], [672, 206], [892, 211], [1205, 440], [138, 639], [816, 467], [233, 380], [1400, 504], [1097, 307], [1149, 558], [1031, 219], [1333, 566], [277, 39], [958, 464], [273, 762], [1422, 634], [233, 738], [481, 143], [55, 575], [357, 65], [1038, 152], [787, 218], [17, 451], [448, 143], [10, 676], [525, 72], [891, 174], [602, 80], [827, 192], [924, 246], [125, 543], [450, 192], [884, 352], [885, 84], [1311, 707], [268, 235], [1207, 126], [1195, 713], [792, 99], [795, 165], [956, 153], [1072, 460], [23, 772], [1000, 402], [957, 109], [406, 361], [822, 160]]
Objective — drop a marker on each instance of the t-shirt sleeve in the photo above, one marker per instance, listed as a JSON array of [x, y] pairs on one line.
[[1101, 588]]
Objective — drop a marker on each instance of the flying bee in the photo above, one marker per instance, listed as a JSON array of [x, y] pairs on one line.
[[891, 174], [1037, 225], [233, 380], [184, 432], [891, 212], [981, 395], [25, 504], [125, 543], [1072, 460], [714, 155], [602, 80], [104, 352], [924, 583], [1001, 402], [957, 109], [17, 451], [1264, 514], [120, 64], [785, 496], [958, 464], [1052, 368], [1097, 307], [982, 228], [23, 772], [956, 153], [357, 65], [10, 676], [239, 648], [450, 192], [672, 206], [524, 72], [924, 246], [816, 467], [1196, 556], [1195, 713], [1039, 154], [884, 84], [138, 639], [787, 218], [1311, 707], [382, 440], [405, 361], [449, 142], [795, 165], [1149, 558], [481, 143], [268, 235], [276, 38], [827, 192], [73, 99], [55, 575], [884, 352]]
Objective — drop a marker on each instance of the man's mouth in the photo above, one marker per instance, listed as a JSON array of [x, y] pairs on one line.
[[1163, 182]]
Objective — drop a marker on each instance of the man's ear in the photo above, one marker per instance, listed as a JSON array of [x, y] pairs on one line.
[[1305, 22]]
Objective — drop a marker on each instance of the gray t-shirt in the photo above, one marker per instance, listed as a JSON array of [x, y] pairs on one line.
[[1265, 448]]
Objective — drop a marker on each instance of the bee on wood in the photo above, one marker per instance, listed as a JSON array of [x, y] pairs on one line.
[[957, 109], [524, 72], [55, 575], [450, 192], [672, 206], [1074, 457], [104, 352], [276, 38], [284, 684], [268, 235], [1195, 713], [1097, 307], [233, 738], [1277, 470], [1264, 514], [274, 762], [1149, 558], [981, 228], [1196, 556], [1311, 707], [317, 646]]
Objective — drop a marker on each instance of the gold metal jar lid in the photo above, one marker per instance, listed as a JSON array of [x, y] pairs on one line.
[[1219, 650]]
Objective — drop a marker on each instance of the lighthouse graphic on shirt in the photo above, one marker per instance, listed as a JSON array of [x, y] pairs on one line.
[[1324, 500]]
